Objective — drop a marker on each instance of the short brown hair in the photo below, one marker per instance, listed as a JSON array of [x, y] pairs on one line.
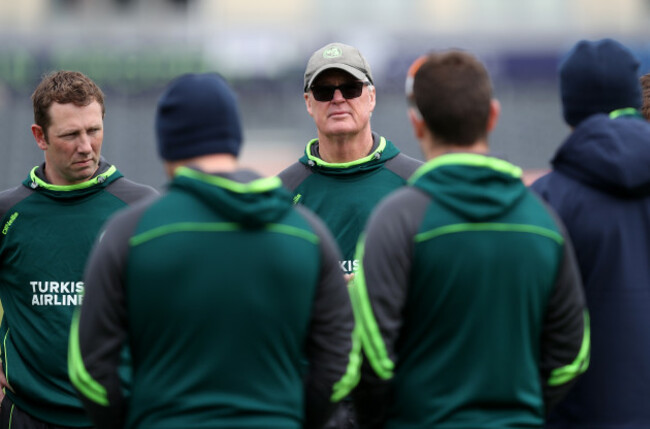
[[645, 88], [452, 90], [63, 87]]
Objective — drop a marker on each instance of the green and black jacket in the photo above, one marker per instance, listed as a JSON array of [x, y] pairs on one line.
[[47, 234], [469, 301], [224, 290], [343, 195]]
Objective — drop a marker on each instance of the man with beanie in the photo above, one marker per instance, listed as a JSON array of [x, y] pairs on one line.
[[223, 289], [48, 225], [600, 187], [468, 298]]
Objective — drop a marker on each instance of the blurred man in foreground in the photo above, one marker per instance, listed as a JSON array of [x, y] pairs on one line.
[[221, 286], [468, 299]]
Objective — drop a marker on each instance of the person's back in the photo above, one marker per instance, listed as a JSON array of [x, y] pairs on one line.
[[600, 187], [237, 297], [230, 297], [469, 301], [502, 253]]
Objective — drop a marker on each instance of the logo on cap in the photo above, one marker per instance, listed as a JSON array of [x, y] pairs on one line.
[[332, 52]]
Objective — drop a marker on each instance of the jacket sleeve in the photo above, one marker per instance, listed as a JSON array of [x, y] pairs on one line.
[[98, 331], [565, 336], [333, 359], [294, 175], [379, 293]]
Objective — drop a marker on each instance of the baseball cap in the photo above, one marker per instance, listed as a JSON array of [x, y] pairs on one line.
[[337, 56]]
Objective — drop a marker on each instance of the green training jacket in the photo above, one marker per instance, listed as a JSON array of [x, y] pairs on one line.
[[343, 195], [47, 234], [224, 290], [469, 301]]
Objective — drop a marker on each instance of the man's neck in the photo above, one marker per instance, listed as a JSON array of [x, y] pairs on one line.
[[345, 148], [436, 150], [210, 163]]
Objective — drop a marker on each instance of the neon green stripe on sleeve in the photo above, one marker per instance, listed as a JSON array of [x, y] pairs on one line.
[[293, 231], [4, 354], [373, 343], [350, 379], [79, 376], [567, 373]]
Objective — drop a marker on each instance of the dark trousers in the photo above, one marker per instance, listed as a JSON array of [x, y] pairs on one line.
[[12, 417]]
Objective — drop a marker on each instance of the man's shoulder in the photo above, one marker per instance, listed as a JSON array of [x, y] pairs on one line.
[[402, 198], [553, 184], [10, 197], [130, 191], [403, 165], [294, 175]]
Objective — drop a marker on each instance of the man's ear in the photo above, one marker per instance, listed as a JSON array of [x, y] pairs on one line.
[[308, 102], [372, 94], [495, 112], [39, 136], [417, 123]]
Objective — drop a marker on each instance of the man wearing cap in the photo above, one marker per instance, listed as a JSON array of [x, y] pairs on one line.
[[600, 187], [469, 302], [348, 168], [219, 324]]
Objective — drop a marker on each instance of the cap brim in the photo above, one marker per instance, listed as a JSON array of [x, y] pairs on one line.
[[346, 68]]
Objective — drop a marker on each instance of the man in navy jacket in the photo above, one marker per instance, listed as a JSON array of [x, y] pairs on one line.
[[600, 187]]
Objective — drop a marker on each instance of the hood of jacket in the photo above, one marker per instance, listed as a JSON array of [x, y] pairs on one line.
[[105, 175], [382, 151], [476, 187], [610, 154], [241, 196]]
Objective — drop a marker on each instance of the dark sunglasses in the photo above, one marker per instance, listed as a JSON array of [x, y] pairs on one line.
[[348, 90]]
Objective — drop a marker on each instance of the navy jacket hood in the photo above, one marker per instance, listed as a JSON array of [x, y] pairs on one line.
[[610, 154]]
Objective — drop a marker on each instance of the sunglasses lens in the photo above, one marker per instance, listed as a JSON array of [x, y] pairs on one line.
[[351, 90], [323, 92], [326, 92]]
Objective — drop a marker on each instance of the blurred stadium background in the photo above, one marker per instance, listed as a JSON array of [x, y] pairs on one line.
[[132, 48]]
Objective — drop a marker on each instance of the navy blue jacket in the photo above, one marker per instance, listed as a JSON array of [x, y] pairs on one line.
[[600, 187]]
